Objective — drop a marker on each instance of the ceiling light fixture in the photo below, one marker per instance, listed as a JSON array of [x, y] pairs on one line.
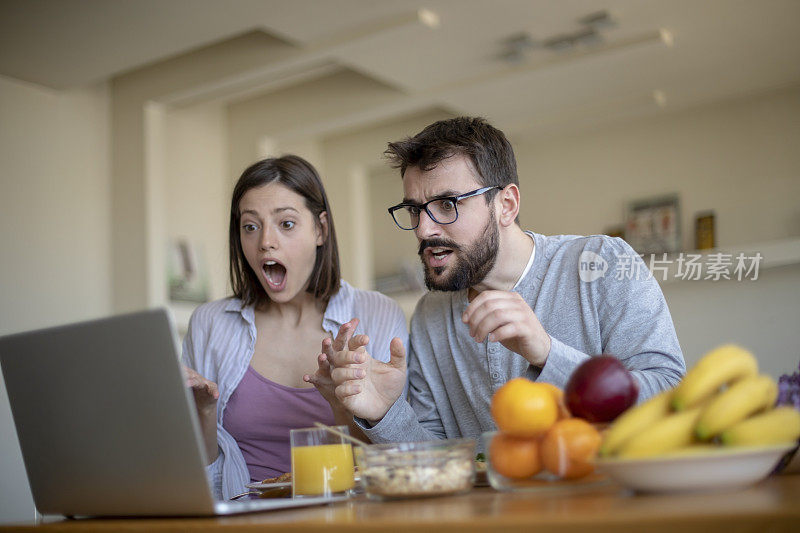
[[667, 37], [588, 34], [598, 19], [428, 18]]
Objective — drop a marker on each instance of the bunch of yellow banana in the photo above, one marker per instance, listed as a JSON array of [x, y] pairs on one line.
[[722, 399]]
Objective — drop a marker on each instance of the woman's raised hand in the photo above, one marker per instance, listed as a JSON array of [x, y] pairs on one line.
[[321, 379], [206, 392]]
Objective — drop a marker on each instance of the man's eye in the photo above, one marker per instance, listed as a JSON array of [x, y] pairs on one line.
[[447, 204], [413, 210], [287, 224]]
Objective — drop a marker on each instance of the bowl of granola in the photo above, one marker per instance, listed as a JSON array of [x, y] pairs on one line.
[[416, 469]]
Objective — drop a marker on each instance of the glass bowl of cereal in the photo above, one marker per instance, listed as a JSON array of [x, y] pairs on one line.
[[416, 469]]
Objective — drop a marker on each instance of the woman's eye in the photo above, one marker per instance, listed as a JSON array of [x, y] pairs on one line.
[[287, 224], [447, 204], [249, 227]]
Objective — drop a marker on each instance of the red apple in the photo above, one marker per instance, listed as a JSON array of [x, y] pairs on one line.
[[600, 389]]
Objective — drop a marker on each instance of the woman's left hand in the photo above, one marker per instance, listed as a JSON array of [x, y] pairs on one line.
[[321, 379]]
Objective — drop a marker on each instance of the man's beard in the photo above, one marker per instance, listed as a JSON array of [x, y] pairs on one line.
[[471, 265]]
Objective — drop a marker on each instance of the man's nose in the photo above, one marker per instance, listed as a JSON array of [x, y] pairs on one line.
[[427, 227]]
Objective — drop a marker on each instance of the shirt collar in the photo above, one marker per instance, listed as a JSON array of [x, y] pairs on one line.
[[234, 305], [338, 312], [530, 261], [340, 308]]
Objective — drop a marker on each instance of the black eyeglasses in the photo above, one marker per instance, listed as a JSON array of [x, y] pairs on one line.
[[442, 210]]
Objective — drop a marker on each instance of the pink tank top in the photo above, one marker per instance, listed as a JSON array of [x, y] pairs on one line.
[[260, 414]]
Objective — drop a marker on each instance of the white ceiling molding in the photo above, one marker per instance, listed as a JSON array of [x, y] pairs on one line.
[[256, 82], [311, 61]]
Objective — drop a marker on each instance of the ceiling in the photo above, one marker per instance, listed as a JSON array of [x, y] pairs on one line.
[[719, 49]]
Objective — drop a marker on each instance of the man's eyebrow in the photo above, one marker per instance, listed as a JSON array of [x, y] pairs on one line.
[[444, 194]]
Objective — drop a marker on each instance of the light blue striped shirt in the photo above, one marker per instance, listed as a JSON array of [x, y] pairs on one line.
[[220, 342]]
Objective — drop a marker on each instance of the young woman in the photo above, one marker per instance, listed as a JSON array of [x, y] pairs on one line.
[[250, 358]]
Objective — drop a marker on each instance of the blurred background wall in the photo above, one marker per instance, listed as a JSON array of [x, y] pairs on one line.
[[123, 126]]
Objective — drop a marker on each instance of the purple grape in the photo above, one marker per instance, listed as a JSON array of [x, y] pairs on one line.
[[789, 390]]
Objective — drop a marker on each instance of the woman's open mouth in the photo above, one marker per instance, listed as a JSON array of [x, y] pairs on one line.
[[275, 274]]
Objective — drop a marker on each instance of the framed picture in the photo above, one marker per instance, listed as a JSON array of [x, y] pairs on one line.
[[186, 273], [652, 225], [705, 235]]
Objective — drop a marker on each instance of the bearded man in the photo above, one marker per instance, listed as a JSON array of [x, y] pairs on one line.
[[503, 302]]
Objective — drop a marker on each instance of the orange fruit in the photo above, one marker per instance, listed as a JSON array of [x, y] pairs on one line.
[[514, 457], [569, 448], [563, 412], [522, 408]]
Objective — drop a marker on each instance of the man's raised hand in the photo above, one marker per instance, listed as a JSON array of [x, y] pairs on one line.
[[365, 386], [505, 317]]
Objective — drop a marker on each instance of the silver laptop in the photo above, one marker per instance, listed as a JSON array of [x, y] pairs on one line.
[[106, 425]]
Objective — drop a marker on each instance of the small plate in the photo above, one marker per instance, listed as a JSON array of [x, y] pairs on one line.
[[258, 485], [264, 486], [712, 469]]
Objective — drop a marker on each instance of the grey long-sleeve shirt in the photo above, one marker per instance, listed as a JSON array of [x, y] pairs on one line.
[[585, 309]]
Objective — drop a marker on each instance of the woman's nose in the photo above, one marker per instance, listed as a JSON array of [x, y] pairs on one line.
[[268, 240]]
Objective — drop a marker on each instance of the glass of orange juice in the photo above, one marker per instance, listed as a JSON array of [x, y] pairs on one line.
[[322, 463]]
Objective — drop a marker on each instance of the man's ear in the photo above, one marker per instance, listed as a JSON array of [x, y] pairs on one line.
[[508, 199], [322, 228]]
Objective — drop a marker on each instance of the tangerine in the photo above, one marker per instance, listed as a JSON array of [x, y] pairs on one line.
[[514, 457], [522, 408], [569, 448], [563, 412]]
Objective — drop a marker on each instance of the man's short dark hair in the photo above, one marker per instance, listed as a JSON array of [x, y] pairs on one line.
[[485, 145]]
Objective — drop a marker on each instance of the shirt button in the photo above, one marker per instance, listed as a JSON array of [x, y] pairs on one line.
[[495, 375]]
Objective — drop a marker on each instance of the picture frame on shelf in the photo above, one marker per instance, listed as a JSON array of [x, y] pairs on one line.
[[187, 277], [652, 225], [705, 232]]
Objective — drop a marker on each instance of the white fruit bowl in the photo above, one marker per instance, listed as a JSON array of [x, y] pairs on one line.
[[712, 469]]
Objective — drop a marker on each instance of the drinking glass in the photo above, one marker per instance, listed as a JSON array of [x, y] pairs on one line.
[[322, 463]]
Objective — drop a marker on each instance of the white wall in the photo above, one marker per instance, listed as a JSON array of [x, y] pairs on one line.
[[54, 230], [739, 158], [761, 315], [283, 113], [140, 101], [198, 187]]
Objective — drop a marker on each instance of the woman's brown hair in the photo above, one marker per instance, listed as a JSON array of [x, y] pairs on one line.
[[301, 177]]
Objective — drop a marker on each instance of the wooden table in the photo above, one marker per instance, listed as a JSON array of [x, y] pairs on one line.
[[772, 505]]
